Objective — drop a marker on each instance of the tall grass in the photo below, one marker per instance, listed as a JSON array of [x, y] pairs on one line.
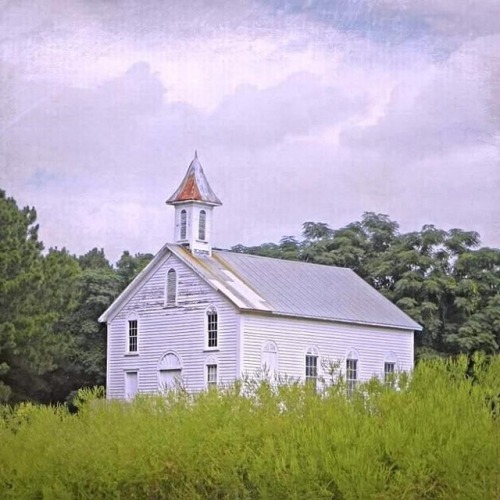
[[438, 436]]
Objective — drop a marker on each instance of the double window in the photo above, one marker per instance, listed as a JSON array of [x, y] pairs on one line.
[[212, 324], [312, 356]]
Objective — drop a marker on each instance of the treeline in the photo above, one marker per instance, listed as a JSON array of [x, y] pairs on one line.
[[443, 279], [51, 343], [437, 437]]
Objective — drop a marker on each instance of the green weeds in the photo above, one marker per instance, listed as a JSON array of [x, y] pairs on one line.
[[436, 436]]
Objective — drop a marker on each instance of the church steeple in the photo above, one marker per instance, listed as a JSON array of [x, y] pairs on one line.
[[194, 201]]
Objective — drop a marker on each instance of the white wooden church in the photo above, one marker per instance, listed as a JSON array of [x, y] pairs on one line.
[[203, 317]]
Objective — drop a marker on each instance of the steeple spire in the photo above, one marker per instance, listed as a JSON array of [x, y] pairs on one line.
[[194, 187], [194, 201]]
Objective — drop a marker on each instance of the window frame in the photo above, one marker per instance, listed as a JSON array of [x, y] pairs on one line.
[[389, 374], [390, 359], [202, 217], [183, 224], [212, 344], [352, 357], [167, 288], [132, 318], [312, 353], [213, 365]]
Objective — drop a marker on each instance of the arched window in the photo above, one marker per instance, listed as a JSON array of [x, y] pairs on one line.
[[133, 333], [270, 359], [171, 292], [390, 368], [351, 370], [202, 227], [183, 224], [169, 372], [212, 327], [312, 355]]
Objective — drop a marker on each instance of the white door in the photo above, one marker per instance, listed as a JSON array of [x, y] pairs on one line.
[[270, 359], [131, 384], [169, 379]]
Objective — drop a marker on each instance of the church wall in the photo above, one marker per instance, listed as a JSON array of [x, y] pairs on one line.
[[293, 336], [179, 329]]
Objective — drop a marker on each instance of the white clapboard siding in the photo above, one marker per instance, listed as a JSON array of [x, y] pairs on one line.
[[293, 336], [179, 329]]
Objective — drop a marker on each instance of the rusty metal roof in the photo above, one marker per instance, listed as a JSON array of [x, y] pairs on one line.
[[298, 289], [194, 187]]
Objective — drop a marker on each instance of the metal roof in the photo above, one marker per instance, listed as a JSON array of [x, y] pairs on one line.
[[294, 288], [194, 187]]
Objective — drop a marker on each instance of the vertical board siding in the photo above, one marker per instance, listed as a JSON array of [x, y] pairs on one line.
[[293, 336], [180, 329]]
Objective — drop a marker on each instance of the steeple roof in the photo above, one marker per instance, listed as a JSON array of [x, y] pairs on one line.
[[194, 187]]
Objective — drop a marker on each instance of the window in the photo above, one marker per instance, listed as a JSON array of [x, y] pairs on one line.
[[211, 375], [132, 335], [312, 366], [390, 364], [171, 295], [212, 327], [131, 384], [183, 224], [202, 225], [351, 374], [270, 359], [389, 370]]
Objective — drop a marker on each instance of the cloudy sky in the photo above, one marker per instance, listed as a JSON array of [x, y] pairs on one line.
[[300, 111]]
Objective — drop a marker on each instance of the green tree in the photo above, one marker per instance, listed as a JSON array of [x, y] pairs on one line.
[[60, 299], [314, 231], [477, 300], [97, 287], [25, 344], [128, 267]]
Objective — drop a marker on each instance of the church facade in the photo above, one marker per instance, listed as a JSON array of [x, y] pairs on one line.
[[202, 317]]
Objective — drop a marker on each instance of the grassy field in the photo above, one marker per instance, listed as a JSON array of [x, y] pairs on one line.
[[437, 436]]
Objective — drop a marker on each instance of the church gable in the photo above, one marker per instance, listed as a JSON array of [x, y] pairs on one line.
[[150, 295], [148, 328]]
